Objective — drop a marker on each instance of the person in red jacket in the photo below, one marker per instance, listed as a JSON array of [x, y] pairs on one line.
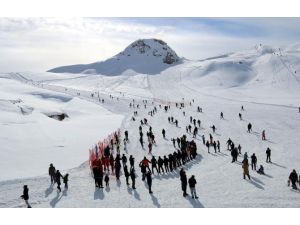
[[145, 163]]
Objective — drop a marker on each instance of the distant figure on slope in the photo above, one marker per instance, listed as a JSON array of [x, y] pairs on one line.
[[163, 133], [192, 185], [126, 135], [133, 176], [240, 116], [221, 115], [268, 152], [106, 179], [213, 128], [263, 135], [25, 195], [249, 127], [207, 145], [245, 167], [52, 173], [294, 179], [253, 161], [183, 180], [242, 108]]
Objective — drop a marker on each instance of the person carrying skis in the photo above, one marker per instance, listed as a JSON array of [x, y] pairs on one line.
[[25, 195], [183, 180], [192, 185], [52, 173], [253, 161], [268, 152], [294, 179]]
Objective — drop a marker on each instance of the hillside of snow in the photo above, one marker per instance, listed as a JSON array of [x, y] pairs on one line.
[[146, 56], [265, 80]]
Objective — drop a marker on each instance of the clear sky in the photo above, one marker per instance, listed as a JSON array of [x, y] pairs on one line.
[[39, 44]]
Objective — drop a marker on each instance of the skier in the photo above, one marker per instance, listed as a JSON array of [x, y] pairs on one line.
[[25, 195], [242, 108], [106, 179], [199, 123], [57, 179], [263, 135], [126, 173], [174, 141], [65, 180], [52, 173], [268, 152], [149, 181], [293, 178], [183, 180], [192, 185], [176, 123], [132, 176], [245, 167], [249, 127], [163, 133], [253, 161], [221, 115], [207, 145]]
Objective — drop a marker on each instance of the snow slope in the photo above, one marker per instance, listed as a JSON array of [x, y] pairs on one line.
[[261, 79]]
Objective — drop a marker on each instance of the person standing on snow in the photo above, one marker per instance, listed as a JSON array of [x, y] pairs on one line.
[[263, 135], [294, 179], [160, 163], [163, 133], [183, 180], [57, 179], [192, 185], [245, 167], [25, 195], [52, 173], [268, 152], [249, 127], [221, 115], [126, 135], [218, 145], [253, 161], [106, 179], [207, 145], [149, 181], [133, 176], [66, 180], [154, 164], [131, 162], [126, 173]]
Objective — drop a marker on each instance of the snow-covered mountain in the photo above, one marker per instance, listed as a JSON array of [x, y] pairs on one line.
[[146, 56]]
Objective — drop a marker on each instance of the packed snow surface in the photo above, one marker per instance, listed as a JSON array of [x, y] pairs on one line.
[[265, 80]]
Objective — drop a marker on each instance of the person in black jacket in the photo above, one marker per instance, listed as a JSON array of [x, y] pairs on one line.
[[131, 162], [133, 176], [149, 181], [154, 164], [294, 179], [57, 179], [52, 173], [106, 179], [192, 184], [160, 163], [65, 180], [166, 164], [183, 180], [25, 195], [268, 152], [253, 161], [163, 133], [126, 173]]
